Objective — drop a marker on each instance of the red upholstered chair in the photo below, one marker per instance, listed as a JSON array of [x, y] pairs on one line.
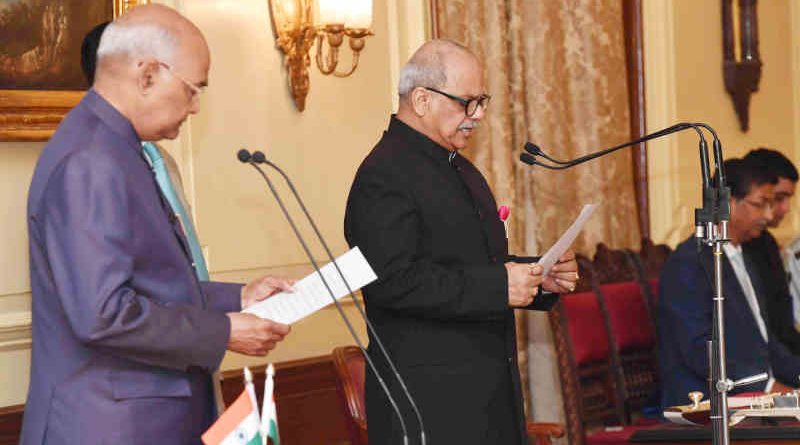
[[630, 317], [583, 350], [348, 362], [614, 266], [611, 265], [597, 381], [651, 259], [652, 285], [634, 341]]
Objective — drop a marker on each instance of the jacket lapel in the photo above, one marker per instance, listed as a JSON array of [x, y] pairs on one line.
[[486, 207], [735, 294]]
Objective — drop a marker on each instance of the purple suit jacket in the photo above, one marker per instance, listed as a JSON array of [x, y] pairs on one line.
[[124, 335]]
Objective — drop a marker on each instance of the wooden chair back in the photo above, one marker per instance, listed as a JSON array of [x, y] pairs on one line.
[[348, 363], [589, 388]]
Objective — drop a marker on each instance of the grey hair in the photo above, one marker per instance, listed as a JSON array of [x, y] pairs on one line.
[[137, 39], [427, 67]]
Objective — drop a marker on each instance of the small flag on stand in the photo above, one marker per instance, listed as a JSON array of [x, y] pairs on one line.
[[269, 415], [239, 424]]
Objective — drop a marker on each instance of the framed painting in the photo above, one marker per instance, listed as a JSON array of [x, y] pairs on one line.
[[40, 73]]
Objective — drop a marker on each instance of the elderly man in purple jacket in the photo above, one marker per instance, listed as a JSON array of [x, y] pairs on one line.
[[125, 336]]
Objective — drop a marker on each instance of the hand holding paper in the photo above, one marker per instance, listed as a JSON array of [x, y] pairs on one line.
[[264, 287], [523, 283], [560, 247], [311, 294], [251, 335], [565, 274]]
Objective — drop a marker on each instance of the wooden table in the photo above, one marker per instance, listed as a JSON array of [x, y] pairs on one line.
[[749, 432]]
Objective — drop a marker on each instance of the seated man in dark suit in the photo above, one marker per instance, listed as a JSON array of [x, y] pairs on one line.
[[685, 306], [776, 297]]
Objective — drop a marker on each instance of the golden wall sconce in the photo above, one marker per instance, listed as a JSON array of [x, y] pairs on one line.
[[299, 24], [741, 64]]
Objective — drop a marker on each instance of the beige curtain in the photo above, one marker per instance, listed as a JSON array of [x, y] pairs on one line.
[[557, 75]]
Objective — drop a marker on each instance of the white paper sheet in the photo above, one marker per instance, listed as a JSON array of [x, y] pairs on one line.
[[310, 294], [551, 256]]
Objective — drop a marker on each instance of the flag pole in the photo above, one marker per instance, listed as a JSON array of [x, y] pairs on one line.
[[269, 414]]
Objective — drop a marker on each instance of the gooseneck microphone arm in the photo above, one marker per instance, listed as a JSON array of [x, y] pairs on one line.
[[534, 150], [711, 223], [258, 157], [705, 217]]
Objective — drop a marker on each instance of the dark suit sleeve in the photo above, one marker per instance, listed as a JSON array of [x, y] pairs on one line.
[[686, 312], [86, 227], [687, 302], [223, 297], [544, 300], [785, 365], [384, 223], [775, 296], [522, 259], [687, 307]]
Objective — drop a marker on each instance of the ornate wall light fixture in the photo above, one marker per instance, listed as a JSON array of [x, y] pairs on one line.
[[300, 23], [741, 61]]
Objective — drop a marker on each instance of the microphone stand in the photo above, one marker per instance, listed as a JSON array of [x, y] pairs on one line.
[[258, 158], [711, 229]]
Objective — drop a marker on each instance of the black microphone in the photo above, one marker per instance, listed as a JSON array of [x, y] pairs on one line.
[[535, 150], [723, 211], [531, 160], [716, 205], [259, 158], [244, 156]]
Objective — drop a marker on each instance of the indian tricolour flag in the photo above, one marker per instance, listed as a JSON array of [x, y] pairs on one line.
[[239, 424], [269, 415]]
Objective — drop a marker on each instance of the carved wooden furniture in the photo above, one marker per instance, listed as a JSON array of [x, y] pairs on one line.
[[348, 362], [629, 313], [605, 340], [541, 433], [306, 398], [634, 348], [649, 262], [583, 349]]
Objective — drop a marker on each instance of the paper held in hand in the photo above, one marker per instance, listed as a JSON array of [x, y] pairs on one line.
[[551, 256], [310, 294]]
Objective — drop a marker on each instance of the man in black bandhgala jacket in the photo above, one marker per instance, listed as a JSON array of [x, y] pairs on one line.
[[443, 303]]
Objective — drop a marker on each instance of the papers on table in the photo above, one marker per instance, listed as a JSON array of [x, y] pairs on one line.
[[310, 294], [551, 256]]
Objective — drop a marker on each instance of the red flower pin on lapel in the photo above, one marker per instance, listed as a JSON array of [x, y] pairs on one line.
[[503, 213]]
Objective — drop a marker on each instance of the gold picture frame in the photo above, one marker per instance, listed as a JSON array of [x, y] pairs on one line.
[[33, 115]]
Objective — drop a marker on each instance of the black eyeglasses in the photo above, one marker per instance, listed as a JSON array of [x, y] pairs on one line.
[[761, 205], [470, 105]]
